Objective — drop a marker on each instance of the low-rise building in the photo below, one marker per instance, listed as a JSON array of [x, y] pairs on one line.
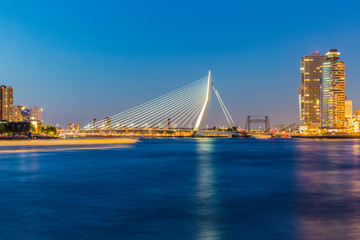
[[74, 127], [293, 127], [20, 114], [36, 114], [348, 109]]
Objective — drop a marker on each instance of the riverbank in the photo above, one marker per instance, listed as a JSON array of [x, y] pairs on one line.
[[12, 146], [62, 142], [328, 136]]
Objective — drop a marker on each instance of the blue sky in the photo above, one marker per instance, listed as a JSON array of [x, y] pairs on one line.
[[84, 59]]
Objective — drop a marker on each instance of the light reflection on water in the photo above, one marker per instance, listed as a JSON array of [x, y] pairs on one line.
[[28, 164], [25, 150], [206, 192], [197, 189], [329, 190]]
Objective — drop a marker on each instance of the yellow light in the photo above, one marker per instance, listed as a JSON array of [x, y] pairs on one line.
[[34, 123]]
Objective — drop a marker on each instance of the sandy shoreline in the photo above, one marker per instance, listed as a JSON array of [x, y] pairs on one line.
[[52, 145]]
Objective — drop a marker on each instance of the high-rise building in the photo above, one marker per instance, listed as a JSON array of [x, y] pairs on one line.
[[36, 114], [6, 103], [348, 109], [333, 91], [309, 93]]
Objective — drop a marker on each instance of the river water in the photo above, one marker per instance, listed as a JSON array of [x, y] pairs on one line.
[[203, 189]]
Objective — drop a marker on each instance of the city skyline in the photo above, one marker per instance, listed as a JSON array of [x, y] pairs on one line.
[[78, 69]]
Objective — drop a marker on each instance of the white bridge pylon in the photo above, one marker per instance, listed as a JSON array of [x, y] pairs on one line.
[[184, 108]]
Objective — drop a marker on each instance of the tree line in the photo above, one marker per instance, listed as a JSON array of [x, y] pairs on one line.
[[16, 128], [23, 128]]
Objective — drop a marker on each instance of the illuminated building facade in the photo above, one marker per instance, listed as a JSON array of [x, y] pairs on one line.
[[20, 114], [74, 127], [333, 91], [309, 93], [357, 121], [17, 115], [357, 114], [348, 109], [286, 127], [36, 114], [6, 103]]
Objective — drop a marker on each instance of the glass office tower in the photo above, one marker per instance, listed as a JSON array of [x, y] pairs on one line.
[[333, 91], [309, 93]]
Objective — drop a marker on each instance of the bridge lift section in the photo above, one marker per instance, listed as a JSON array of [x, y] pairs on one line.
[[257, 119]]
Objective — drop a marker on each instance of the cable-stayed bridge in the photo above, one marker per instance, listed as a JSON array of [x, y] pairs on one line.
[[184, 108]]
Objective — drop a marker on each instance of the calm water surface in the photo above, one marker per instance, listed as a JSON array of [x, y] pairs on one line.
[[203, 189]]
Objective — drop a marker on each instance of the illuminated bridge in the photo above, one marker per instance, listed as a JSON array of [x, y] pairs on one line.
[[184, 108]]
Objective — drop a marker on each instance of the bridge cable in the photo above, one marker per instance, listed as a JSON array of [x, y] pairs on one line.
[[223, 107]]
